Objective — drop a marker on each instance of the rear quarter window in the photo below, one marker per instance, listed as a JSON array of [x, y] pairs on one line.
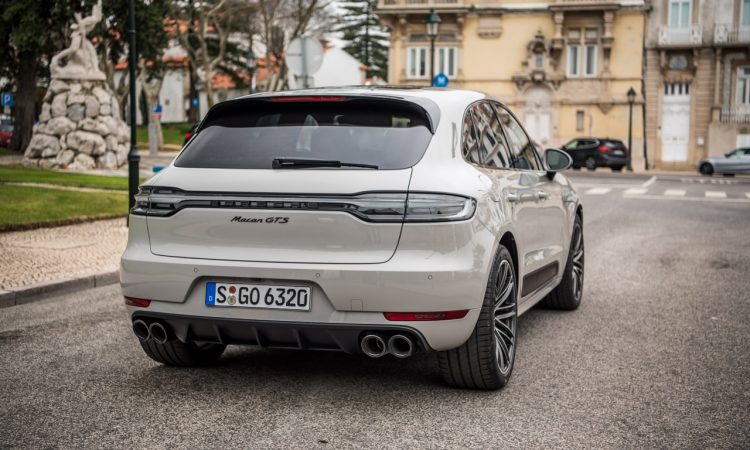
[[251, 134]]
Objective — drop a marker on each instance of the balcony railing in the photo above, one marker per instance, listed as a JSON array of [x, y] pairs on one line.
[[692, 35], [735, 115], [731, 34], [419, 3]]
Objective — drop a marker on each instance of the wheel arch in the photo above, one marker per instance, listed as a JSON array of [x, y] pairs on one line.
[[509, 242]]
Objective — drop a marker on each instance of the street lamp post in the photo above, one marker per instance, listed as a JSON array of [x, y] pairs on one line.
[[133, 158], [432, 24], [631, 99]]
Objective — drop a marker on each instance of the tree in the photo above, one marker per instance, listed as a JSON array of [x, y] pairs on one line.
[[204, 29], [281, 21], [32, 31], [111, 34], [365, 38]]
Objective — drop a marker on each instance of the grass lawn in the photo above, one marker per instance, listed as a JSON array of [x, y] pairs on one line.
[[174, 133], [5, 152], [25, 206], [30, 175]]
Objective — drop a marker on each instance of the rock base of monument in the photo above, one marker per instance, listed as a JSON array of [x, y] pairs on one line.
[[79, 128]]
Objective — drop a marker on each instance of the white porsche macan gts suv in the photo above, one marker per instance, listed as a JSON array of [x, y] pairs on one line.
[[368, 220]]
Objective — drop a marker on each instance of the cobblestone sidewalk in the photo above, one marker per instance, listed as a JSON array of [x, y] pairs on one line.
[[60, 253]]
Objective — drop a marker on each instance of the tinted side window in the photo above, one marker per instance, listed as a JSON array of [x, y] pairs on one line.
[[522, 153], [492, 146], [470, 147]]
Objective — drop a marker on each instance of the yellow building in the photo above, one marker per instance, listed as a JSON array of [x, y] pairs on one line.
[[564, 66]]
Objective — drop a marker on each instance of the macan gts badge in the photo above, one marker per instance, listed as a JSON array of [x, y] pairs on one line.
[[375, 221]]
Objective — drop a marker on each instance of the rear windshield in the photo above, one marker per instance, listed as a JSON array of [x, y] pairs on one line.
[[251, 134]]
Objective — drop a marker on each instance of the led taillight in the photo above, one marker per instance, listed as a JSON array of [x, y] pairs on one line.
[[137, 302], [604, 149], [425, 316], [188, 135]]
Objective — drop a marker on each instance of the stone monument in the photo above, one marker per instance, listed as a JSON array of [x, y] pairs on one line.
[[80, 126]]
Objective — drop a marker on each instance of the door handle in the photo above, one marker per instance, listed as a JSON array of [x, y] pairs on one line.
[[541, 195]]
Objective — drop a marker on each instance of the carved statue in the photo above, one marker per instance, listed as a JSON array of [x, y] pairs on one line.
[[81, 60]]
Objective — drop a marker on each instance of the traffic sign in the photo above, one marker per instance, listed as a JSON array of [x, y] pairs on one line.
[[7, 99], [304, 56], [440, 80]]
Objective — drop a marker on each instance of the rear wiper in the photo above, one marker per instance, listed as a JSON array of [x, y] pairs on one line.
[[301, 163]]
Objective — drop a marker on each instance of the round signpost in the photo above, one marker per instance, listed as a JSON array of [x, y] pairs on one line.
[[304, 57], [441, 80]]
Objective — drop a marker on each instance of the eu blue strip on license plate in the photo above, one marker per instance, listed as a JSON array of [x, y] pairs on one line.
[[210, 294]]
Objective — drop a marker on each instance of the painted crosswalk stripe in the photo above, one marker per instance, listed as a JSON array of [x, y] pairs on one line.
[[674, 192], [716, 194], [598, 191], [635, 191]]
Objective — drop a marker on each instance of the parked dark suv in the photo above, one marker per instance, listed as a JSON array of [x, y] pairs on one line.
[[594, 152]]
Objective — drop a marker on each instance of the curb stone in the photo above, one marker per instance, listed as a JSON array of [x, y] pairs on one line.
[[41, 291]]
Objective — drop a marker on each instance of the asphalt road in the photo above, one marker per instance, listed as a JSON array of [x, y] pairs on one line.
[[658, 355]]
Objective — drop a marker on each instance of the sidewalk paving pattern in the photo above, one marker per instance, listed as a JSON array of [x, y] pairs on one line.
[[61, 253]]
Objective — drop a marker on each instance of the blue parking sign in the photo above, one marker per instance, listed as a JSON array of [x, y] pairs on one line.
[[7, 99], [440, 80]]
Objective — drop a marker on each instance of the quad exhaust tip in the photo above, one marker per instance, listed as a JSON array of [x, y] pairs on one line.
[[400, 346], [141, 330], [158, 333], [374, 346]]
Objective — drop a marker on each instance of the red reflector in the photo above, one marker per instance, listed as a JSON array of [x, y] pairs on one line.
[[432, 315], [139, 302], [309, 98]]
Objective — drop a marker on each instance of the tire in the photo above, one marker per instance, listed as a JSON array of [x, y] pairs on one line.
[[591, 164], [706, 169], [181, 354], [617, 168], [567, 295], [576, 167], [482, 362]]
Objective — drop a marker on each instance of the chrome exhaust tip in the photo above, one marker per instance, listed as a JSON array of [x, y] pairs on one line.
[[400, 346], [158, 332], [373, 346], [141, 330]]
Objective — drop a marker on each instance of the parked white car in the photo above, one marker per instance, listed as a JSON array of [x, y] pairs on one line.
[[369, 220]]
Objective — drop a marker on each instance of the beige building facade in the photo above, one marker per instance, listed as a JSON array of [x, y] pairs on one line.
[[564, 66], [697, 81]]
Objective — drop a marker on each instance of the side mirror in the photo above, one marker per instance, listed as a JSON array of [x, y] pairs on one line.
[[556, 161]]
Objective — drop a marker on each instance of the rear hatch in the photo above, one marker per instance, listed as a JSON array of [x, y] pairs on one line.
[[290, 179], [613, 148]]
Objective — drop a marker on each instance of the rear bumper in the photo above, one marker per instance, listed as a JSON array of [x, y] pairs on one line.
[[276, 334], [346, 298], [609, 161]]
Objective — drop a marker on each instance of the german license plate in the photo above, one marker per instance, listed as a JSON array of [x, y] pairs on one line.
[[296, 298], [618, 152]]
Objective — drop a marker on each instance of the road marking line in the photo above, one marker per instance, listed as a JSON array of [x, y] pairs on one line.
[[598, 191], [689, 199], [649, 182], [716, 194], [635, 191], [674, 192]]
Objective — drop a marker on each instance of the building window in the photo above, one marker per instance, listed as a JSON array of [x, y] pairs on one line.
[[745, 13], [743, 85], [573, 60], [417, 62], [579, 120], [446, 61], [582, 52], [679, 13]]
